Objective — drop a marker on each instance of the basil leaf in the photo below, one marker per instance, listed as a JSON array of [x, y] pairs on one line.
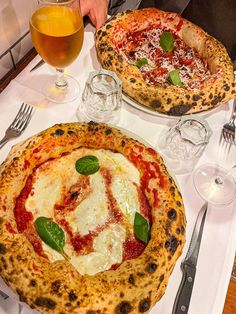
[[167, 41], [50, 233], [141, 62], [141, 228], [87, 165], [174, 78]]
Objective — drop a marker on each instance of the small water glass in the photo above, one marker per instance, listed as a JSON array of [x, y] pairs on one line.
[[101, 98], [183, 144]]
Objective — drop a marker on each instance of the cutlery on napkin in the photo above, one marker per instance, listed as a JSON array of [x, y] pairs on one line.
[[189, 264], [41, 62]]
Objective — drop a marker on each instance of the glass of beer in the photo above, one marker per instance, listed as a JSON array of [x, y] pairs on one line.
[[57, 32]]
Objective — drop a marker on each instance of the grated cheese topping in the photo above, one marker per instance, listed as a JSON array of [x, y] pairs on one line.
[[135, 45]]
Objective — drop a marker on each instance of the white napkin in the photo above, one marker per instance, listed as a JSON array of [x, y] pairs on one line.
[[11, 305], [219, 237]]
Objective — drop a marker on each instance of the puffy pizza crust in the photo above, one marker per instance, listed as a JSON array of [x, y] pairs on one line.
[[57, 287], [166, 98]]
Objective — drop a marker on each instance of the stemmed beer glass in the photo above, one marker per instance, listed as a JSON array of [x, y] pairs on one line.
[[57, 32]]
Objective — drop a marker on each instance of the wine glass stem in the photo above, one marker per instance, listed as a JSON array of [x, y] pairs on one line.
[[220, 180], [61, 81]]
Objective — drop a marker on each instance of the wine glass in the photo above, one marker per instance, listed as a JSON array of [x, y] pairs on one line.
[[215, 184], [57, 32]]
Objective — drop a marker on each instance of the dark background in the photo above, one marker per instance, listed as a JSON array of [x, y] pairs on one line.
[[216, 17]]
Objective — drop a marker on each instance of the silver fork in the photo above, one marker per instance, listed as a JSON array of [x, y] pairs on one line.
[[227, 137], [19, 124]]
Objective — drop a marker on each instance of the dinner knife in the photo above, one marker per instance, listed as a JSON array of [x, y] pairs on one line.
[[3, 295], [41, 62], [189, 264]]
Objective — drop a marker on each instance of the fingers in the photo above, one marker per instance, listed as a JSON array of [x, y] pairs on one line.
[[96, 11], [84, 8], [98, 19]]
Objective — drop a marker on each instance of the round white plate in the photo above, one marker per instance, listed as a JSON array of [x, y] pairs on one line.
[[153, 112]]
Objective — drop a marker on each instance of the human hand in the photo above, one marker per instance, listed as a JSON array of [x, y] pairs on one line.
[[96, 10]]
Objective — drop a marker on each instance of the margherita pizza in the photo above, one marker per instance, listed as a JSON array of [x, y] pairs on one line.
[[165, 62], [91, 222]]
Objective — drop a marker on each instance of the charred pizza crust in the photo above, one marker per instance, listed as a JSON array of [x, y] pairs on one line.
[[166, 98], [57, 287]]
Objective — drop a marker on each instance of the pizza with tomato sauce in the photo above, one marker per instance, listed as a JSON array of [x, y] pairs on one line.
[[91, 221], [165, 62]]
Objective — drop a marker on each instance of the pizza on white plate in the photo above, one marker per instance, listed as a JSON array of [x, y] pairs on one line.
[[90, 221], [165, 62]]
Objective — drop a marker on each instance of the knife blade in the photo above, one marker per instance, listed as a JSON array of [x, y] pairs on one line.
[[41, 62], [188, 266], [3, 295]]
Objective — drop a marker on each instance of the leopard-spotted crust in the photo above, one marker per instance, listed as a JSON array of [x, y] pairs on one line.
[[166, 98], [57, 287]]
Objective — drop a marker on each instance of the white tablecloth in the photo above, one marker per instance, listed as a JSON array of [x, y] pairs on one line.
[[219, 238]]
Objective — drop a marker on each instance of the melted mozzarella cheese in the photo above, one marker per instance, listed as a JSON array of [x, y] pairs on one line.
[[51, 182], [108, 250], [92, 211], [126, 195], [46, 193]]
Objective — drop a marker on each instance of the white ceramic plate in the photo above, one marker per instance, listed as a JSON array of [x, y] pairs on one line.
[[153, 112]]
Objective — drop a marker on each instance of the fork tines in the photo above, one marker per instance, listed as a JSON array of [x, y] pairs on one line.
[[22, 118], [224, 147], [227, 137], [18, 125]]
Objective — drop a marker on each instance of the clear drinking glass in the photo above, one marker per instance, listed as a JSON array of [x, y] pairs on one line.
[[183, 144], [102, 98], [57, 32], [215, 184]]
